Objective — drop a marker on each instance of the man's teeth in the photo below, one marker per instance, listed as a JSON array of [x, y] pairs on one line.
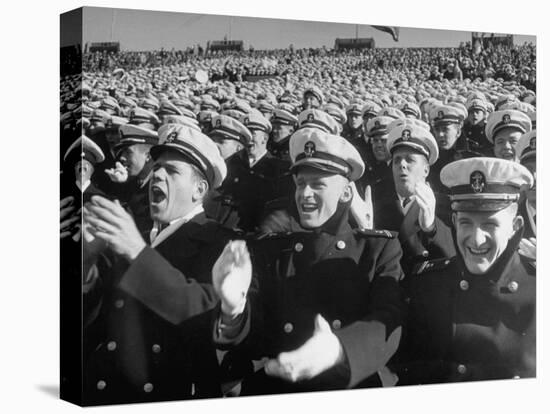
[[478, 251], [309, 207]]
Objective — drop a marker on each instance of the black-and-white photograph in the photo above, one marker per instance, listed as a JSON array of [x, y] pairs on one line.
[[254, 206]]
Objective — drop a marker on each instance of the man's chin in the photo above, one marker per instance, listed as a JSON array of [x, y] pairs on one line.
[[157, 214], [308, 222], [478, 266]]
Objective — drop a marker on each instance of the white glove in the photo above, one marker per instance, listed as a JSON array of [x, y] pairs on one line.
[[231, 276], [362, 210], [426, 201], [321, 352]]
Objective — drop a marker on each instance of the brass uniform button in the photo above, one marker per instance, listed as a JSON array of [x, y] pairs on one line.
[[336, 324], [101, 385], [513, 286], [461, 369], [341, 245], [464, 285], [298, 247], [288, 328], [111, 346], [156, 348], [119, 303], [148, 387]]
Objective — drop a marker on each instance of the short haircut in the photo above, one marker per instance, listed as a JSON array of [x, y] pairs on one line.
[[197, 176]]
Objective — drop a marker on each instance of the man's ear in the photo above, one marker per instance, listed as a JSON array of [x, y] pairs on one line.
[[427, 169], [517, 223], [200, 190], [347, 194], [453, 218]]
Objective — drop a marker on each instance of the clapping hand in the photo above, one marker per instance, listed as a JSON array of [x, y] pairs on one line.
[[118, 174], [110, 222]]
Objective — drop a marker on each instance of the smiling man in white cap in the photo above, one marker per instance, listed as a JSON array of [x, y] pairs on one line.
[[472, 317], [330, 316], [142, 292], [504, 129]]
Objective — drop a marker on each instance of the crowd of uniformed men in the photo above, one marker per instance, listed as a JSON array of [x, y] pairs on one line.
[[298, 232]]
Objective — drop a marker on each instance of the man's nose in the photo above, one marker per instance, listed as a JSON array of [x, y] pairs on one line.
[[158, 173], [479, 236], [307, 191]]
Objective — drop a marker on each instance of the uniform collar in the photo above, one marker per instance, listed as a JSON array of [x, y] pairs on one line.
[[157, 235], [406, 209], [253, 161], [338, 223]]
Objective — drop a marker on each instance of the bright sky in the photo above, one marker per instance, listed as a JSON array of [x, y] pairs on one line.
[[148, 30]]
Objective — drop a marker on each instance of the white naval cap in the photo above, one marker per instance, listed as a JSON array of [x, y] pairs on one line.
[[327, 152], [198, 148], [484, 184], [409, 133]]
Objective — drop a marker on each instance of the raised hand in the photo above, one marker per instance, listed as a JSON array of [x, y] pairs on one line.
[[321, 352], [426, 201], [362, 209], [231, 276]]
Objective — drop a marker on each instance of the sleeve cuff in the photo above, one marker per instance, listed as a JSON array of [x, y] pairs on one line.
[[228, 334]]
